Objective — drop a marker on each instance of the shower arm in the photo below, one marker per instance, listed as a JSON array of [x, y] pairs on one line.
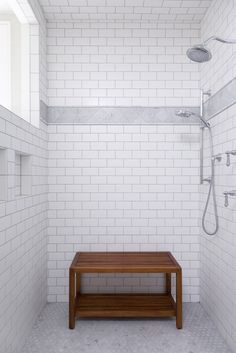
[[222, 40]]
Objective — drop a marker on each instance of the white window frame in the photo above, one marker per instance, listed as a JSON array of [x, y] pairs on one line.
[[24, 88], [5, 64]]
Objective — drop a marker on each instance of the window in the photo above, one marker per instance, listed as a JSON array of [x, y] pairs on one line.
[[19, 41], [5, 64]]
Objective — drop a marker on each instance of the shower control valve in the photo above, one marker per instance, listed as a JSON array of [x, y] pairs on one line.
[[226, 204], [228, 154], [231, 193]]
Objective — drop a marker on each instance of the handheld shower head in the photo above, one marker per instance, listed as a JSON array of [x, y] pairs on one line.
[[183, 113], [186, 114], [200, 53]]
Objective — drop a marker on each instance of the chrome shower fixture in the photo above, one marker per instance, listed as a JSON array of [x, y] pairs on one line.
[[186, 114], [217, 157], [211, 179], [228, 154], [208, 180], [231, 193], [200, 53]]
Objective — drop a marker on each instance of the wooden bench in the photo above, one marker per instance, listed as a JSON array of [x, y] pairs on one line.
[[124, 305]]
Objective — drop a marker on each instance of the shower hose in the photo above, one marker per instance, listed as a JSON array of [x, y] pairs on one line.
[[212, 192]]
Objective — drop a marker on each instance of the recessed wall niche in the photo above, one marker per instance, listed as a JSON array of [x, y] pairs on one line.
[[23, 174], [3, 175]]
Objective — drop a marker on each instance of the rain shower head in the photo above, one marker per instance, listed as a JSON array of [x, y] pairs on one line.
[[200, 53]]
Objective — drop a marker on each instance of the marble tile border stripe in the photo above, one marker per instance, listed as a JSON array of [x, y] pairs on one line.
[[117, 115], [217, 103]]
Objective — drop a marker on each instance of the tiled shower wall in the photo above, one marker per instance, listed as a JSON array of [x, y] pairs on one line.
[[23, 218], [218, 266], [219, 20], [119, 187], [121, 64], [23, 230], [123, 188]]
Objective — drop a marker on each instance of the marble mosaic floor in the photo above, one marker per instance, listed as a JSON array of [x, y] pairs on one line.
[[51, 335]]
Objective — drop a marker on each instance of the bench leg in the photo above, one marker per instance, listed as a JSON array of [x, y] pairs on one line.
[[168, 283], [179, 299], [78, 277], [71, 299]]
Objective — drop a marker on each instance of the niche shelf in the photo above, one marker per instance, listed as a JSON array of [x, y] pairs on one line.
[[23, 174], [3, 175]]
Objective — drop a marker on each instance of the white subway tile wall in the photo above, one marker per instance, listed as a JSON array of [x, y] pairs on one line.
[[126, 10], [23, 219], [220, 21], [122, 64], [123, 188], [23, 233], [218, 271], [218, 266]]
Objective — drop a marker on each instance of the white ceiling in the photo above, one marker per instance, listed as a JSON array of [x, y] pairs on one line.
[[126, 10], [5, 7], [21, 9]]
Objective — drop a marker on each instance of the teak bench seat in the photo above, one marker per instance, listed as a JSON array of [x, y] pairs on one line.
[[124, 305]]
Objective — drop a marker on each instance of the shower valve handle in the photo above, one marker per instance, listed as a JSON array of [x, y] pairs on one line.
[[226, 204], [227, 159], [231, 193], [228, 153]]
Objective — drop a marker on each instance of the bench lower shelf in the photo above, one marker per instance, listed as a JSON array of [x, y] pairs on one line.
[[125, 305]]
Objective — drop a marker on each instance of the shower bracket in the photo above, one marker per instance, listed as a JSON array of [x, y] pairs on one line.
[[207, 93], [208, 180], [217, 157]]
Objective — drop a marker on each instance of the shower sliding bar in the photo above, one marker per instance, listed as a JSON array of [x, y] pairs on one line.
[[202, 95], [201, 153]]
